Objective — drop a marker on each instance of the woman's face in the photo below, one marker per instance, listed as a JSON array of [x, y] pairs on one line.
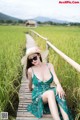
[[34, 59]]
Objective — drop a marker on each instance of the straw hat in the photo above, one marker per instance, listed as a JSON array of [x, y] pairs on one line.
[[33, 50]]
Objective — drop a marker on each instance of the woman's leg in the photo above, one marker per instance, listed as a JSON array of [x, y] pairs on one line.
[[64, 115], [49, 97]]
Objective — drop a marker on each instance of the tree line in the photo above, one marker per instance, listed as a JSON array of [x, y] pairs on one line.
[[54, 23], [14, 22], [11, 21]]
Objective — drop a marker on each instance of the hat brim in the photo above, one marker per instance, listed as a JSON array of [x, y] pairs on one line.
[[43, 55]]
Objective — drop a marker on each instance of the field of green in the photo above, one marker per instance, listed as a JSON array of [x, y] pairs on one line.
[[12, 48], [67, 39]]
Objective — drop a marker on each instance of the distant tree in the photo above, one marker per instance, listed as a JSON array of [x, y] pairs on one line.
[[39, 22], [75, 24], [2, 21], [9, 21], [20, 21]]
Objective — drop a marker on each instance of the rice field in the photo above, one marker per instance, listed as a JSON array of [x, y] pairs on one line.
[[12, 48], [67, 39]]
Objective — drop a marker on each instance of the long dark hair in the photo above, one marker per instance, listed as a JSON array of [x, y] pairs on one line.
[[29, 64]]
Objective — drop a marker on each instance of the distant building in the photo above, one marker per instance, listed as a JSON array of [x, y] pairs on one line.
[[31, 23]]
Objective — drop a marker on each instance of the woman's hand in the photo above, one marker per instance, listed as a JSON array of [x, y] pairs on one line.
[[60, 91]]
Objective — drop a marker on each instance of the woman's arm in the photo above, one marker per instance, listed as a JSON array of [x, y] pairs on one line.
[[30, 78], [60, 90]]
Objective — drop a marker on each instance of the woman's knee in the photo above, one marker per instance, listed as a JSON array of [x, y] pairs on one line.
[[47, 95], [50, 94]]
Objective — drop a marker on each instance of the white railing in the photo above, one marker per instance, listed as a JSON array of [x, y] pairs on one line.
[[64, 56]]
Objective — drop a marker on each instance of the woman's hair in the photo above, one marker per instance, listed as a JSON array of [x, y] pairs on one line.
[[29, 64]]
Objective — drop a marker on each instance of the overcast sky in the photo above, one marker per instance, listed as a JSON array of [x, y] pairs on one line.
[[26, 9]]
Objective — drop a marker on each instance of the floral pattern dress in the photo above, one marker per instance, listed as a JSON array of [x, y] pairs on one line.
[[37, 107]]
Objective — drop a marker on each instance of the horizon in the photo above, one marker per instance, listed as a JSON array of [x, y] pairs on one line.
[[40, 17]]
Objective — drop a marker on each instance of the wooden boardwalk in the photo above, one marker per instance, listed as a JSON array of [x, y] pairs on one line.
[[25, 94]]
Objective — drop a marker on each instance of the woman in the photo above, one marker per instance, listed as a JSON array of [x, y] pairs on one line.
[[45, 99]]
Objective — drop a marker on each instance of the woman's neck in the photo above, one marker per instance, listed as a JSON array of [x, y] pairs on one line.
[[39, 65]]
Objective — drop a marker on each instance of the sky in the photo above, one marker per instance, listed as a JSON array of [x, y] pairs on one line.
[[27, 9]]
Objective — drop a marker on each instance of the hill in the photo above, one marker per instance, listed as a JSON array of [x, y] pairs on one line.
[[46, 19], [7, 17]]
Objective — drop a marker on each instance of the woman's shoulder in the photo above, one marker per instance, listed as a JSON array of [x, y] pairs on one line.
[[30, 70], [50, 64]]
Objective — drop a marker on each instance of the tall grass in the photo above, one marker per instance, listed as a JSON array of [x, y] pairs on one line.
[[12, 45], [67, 40]]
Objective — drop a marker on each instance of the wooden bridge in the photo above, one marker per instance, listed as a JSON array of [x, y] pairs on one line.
[[25, 94]]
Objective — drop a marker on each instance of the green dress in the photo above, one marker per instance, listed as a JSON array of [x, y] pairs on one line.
[[37, 107]]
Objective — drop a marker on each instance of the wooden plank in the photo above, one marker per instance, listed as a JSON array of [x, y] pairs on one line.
[[25, 93], [24, 88], [25, 96], [30, 118], [27, 114], [22, 97], [29, 95], [21, 109], [23, 101], [23, 105]]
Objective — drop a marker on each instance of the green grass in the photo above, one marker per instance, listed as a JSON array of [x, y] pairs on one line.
[[67, 39], [12, 45]]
